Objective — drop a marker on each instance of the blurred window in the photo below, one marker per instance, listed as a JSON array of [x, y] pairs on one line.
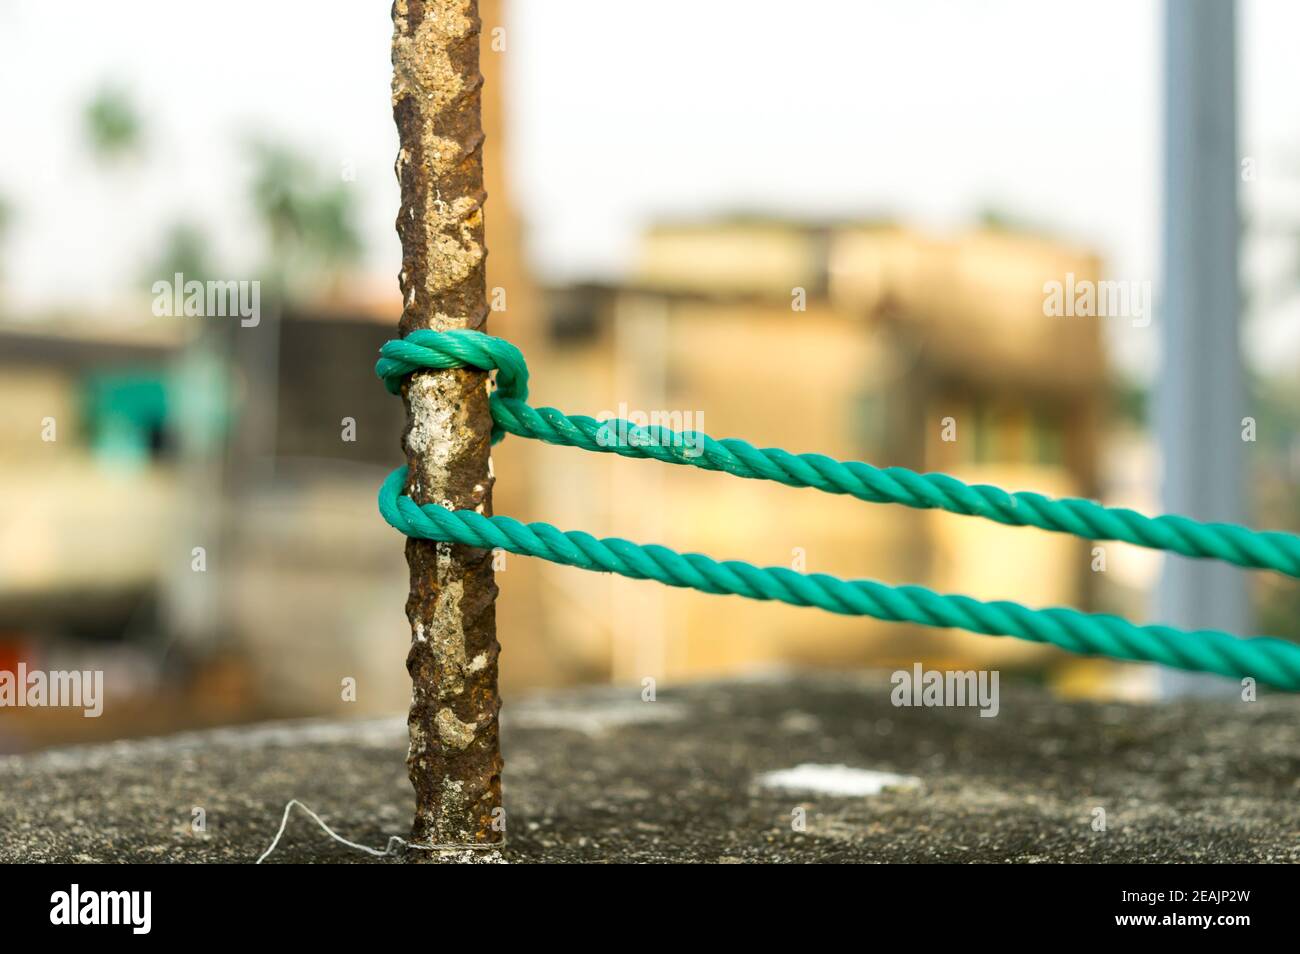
[[126, 414]]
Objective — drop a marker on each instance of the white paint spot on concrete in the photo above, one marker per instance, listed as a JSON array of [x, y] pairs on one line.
[[841, 780]]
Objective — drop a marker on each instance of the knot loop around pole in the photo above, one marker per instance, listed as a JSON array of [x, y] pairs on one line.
[[426, 349]]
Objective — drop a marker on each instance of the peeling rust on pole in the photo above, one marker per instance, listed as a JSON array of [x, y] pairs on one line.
[[455, 759]]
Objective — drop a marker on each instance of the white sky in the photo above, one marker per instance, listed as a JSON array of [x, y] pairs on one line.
[[924, 110]]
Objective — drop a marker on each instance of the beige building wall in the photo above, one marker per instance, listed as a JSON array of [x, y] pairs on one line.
[[922, 329]]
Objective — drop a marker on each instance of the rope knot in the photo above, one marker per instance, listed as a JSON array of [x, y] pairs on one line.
[[426, 349]]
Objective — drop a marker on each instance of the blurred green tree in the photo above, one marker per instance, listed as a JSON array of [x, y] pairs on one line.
[[310, 222], [185, 249], [112, 125]]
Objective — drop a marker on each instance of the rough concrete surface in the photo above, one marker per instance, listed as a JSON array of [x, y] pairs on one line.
[[599, 775]]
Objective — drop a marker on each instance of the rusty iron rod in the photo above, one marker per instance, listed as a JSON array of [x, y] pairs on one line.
[[455, 759]]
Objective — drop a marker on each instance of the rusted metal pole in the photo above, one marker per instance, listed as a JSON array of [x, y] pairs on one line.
[[455, 758]]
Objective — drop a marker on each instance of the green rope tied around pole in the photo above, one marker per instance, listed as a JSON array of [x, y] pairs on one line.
[[457, 348], [1259, 549], [1269, 660]]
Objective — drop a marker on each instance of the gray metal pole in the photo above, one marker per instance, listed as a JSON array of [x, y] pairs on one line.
[[1199, 395]]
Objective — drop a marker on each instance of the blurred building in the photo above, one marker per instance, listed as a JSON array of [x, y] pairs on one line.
[[861, 342], [199, 518], [177, 506], [263, 447]]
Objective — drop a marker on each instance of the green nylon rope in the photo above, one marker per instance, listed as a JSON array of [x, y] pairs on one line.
[[1269, 660], [1267, 549], [1272, 661]]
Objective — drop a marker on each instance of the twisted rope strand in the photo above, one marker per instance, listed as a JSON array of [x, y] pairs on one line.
[[1268, 660], [1272, 550]]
